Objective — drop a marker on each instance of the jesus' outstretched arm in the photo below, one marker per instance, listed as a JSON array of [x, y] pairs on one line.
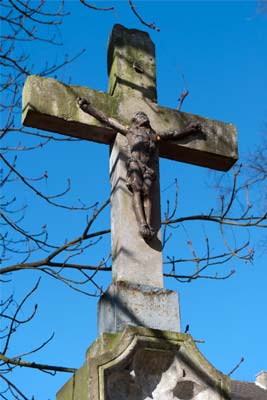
[[87, 107], [192, 129]]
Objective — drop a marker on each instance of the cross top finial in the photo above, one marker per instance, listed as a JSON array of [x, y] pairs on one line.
[[131, 63]]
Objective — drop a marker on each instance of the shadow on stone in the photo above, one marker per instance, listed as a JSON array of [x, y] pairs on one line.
[[126, 303]]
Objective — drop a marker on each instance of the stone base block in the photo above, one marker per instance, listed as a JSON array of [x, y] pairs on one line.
[[138, 305]]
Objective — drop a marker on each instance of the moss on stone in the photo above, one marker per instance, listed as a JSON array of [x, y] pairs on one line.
[[103, 344]]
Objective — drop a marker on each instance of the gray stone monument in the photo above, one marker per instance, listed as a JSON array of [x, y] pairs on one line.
[[140, 353]]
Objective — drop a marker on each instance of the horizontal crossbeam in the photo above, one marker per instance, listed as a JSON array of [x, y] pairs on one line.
[[52, 106]]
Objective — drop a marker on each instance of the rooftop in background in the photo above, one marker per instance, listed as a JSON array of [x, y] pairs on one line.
[[251, 390]]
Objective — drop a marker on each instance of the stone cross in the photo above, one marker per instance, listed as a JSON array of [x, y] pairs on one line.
[[52, 106]]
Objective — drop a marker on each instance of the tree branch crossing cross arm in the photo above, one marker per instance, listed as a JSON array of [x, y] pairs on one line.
[[52, 106]]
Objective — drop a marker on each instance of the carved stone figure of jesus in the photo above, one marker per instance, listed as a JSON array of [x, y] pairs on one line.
[[143, 142]]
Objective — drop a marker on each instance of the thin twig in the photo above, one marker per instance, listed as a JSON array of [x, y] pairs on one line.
[[181, 99], [149, 25], [97, 8], [9, 383], [237, 366]]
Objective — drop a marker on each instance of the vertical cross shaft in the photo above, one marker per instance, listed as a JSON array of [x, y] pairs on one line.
[[136, 296], [132, 74]]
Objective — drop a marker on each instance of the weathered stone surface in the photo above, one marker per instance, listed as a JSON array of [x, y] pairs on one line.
[[157, 374], [129, 304], [51, 105], [133, 259], [146, 364], [76, 387], [132, 64]]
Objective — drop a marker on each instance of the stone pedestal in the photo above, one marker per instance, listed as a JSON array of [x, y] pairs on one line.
[[140, 305], [146, 364]]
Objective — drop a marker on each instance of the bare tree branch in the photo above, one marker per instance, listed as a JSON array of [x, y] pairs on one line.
[[32, 364]]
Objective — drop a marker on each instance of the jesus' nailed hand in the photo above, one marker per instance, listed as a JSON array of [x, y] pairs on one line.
[[143, 142]]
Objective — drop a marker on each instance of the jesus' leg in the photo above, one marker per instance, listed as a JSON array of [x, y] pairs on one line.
[[147, 201], [140, 215]]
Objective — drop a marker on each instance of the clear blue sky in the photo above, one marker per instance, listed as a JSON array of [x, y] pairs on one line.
[[220, 47]]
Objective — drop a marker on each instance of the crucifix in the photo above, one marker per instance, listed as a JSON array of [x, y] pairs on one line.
[[115, 118], [142, 143]]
